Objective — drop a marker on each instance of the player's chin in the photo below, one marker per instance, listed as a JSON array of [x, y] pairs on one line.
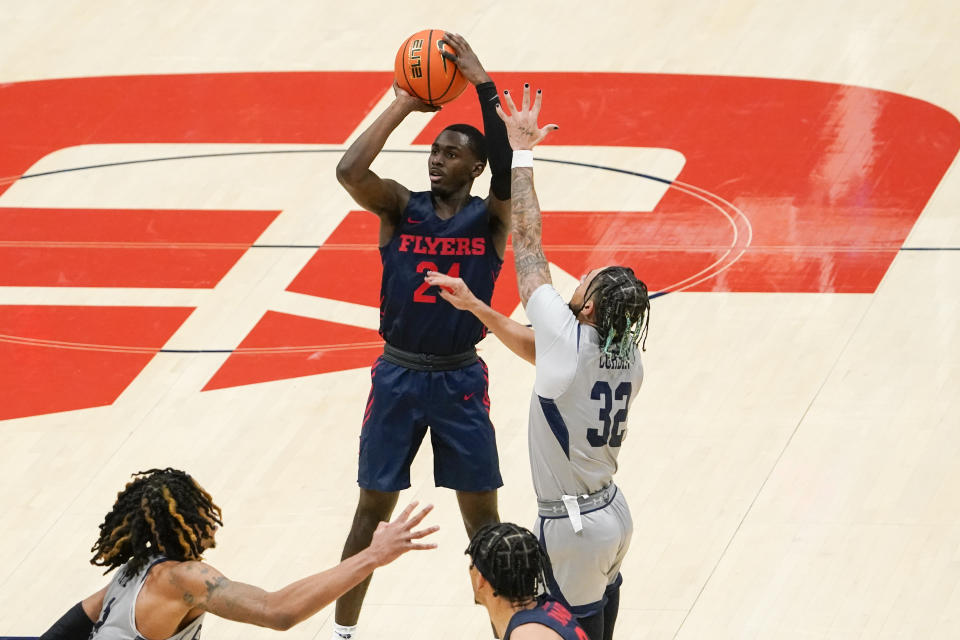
[[440, 189]]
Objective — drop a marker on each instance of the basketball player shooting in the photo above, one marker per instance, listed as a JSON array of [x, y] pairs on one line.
[[588, 372], [155, 536], [429, 374]]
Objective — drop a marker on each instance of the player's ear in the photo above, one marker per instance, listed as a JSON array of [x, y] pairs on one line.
[[477, 169], [588, 310]]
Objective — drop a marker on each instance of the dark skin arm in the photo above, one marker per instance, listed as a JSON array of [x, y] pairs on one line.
[[471, 68], [522, 129], [386, 198]]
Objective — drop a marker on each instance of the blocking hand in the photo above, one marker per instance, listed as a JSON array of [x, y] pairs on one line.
[[522, 129]]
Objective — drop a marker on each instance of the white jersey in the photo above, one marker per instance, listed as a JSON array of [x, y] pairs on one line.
[[580, 401], [117, 617]]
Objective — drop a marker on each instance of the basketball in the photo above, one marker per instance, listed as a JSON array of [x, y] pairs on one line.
[[424, 73]]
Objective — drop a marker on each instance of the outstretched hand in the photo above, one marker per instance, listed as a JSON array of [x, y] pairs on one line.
[[453, 290], [465, 59], [392, 540], [412, 102], [522, 129]]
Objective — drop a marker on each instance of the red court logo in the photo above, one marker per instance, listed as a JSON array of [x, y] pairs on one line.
[[812, 187]]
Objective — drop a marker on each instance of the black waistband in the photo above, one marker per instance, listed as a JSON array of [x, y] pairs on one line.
[[428, 361]]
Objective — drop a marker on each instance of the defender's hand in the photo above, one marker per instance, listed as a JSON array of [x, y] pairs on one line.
[[522, 129], [390, 541], [453, 290], [410, 102], [466, 59]]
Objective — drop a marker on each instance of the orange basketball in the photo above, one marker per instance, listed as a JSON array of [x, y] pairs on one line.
[[422, 72]]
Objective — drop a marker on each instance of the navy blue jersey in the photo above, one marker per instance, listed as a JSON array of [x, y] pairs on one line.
[[551, 614], [413, 317]]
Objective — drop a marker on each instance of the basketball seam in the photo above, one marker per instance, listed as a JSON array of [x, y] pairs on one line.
[[406, 62], [453, 78], [429, 57], [403, 64]]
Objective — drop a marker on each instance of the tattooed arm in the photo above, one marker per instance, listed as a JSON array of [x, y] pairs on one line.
[[524, 134], [531, 264], [202, 587]]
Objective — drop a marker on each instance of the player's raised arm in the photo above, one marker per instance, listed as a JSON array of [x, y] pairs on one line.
[[202, 586], [499, 153], [524, 135], [384, 197]]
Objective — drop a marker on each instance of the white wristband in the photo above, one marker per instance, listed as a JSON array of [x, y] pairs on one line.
[[522, 158]]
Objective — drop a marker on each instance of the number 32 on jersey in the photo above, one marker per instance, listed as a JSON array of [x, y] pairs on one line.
[[611, 431]]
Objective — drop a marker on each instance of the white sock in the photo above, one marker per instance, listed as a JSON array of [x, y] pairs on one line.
[[343, 632]]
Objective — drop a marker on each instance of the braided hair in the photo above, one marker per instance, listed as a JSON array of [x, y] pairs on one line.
[[161, 511], [622, 311], [511, 559]]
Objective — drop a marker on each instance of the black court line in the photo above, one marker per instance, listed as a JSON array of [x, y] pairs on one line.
[[929, 248], [228, 154]]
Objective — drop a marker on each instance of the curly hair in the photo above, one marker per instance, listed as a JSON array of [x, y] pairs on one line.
[[622, 310], [511, 559], [161, 511]]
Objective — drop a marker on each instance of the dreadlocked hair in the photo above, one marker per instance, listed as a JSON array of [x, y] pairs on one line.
[[511, 559], [160, 511], [622, 311]]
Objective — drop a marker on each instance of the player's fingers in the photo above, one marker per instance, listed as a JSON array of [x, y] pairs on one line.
[[449, 56], [537, 101], [444, 285], [456, 40], [526, 96], [546, 130], [419, 516], [422, 533], [406, 512], [513, 107], [421, 547], [450, 297]]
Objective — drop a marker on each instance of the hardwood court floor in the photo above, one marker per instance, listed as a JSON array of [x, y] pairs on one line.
[[183, 283]]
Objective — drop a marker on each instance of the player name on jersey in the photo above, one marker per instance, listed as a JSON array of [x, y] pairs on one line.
[[442, 246], [613, 362]]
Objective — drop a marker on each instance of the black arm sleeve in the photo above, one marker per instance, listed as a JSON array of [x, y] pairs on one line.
[[73, 625], [499, 153]]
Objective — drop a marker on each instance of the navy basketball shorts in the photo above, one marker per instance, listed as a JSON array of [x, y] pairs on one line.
[[403, 403]]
